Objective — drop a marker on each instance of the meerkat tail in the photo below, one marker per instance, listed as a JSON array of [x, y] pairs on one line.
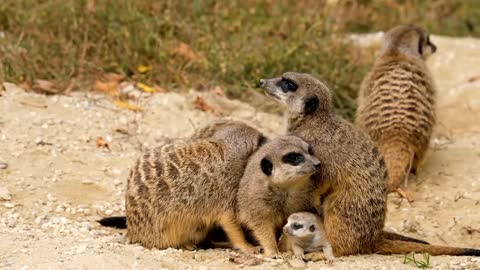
[[398, 157], [396, 236], [388, 247], [119, 222]]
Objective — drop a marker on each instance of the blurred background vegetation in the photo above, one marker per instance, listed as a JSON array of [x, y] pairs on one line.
[[204, 43]]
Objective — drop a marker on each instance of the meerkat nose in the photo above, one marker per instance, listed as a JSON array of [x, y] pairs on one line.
[[317, 166], [262, 83]]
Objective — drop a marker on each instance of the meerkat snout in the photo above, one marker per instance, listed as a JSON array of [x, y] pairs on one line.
[[261, 83]]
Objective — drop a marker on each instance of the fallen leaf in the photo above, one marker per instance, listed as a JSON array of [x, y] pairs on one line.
[[185, 51], [126, 105], [110, 88], [25, 86], [145, 88], [102, 143], [114, 77], [219, 91], [245, 259], [90, 7], [200, 104], [474, 78], [144, 69], [45, 86], [159, 89]]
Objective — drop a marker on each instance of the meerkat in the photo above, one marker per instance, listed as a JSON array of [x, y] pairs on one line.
[[396, 104], [352, 183], [276, 183], [304, 232], [178, 191]]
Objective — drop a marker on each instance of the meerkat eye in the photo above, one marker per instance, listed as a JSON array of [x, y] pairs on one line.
[[266, 166], [288, 85], [297, 226], [293, 158], [312, 228]]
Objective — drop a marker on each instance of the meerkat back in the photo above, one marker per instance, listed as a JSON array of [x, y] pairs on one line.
[[178, 191], [396, 103]]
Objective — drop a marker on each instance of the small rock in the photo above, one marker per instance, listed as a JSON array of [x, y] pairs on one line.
[[297, 263], [5, 194], [9, 205], [108, 212], [87, 182], [3, 166], [81, 249]]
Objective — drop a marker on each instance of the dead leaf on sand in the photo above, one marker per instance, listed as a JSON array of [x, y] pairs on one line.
[[128, 106], [474, 78], [201, 104], [244, 259], [102, 143], [45, 87]]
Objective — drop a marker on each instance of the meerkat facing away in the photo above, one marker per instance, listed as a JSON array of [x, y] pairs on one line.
[[304, 232], [352, 182], [177, 192], [396, 103], [275, 184]]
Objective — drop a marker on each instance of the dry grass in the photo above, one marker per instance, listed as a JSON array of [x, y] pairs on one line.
[[201, 44]]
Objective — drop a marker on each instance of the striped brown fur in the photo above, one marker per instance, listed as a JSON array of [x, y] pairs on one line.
[[396, 104], [178, 191]]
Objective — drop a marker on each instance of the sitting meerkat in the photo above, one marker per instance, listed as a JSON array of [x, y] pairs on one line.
[[276, 183], [396, 103], [177, 192], [304, 232], [352, 182]]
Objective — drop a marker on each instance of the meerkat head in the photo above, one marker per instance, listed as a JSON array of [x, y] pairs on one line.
[[408, 39], [301, 93], [287, 161], [301, 225], [239, 135]]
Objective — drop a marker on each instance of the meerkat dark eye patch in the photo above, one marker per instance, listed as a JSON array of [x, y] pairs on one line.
[[311, 105], [293, 158], [432, 46], [287, 85], [420, 44], [297, 226], [312, 228], [267, 166], [262, 140]]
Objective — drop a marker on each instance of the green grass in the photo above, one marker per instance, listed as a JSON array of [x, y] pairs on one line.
[[410, 258], [234, 43]]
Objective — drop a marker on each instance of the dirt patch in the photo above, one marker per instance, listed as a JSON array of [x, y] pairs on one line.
[[60, 182]]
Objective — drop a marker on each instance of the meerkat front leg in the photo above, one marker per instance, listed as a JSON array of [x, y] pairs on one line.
[[328, 252], [265, 234], [298, 252], [235, 234]]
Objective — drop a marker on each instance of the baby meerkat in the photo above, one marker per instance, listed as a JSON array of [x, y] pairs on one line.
[[352, 182], [177, 192], [276, 183], [304, 232], [396, 103]]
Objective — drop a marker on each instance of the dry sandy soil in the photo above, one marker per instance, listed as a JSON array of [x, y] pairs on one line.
[[58, 182]]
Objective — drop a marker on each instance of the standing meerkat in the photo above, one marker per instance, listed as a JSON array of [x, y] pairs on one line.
[[177, 192], [352, 182], [396, 103], [304, 232], [276, 183]]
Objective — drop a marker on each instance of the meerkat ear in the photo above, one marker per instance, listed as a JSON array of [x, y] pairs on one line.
[[262, 140], [312, 228], [420, 44], [311, 105], [267, 166]]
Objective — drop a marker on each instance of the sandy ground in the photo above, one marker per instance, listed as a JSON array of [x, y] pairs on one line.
[[58, 182]]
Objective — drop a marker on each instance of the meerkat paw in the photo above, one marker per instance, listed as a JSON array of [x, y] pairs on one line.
[[301, 257], [406, 194], [189, 247], [315, 256]]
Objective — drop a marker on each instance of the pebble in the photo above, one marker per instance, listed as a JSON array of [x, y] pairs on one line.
[[9, 205], [87, 182], [81, 249], [3, 166], [297, 263], [108, 212], [5, 194]]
